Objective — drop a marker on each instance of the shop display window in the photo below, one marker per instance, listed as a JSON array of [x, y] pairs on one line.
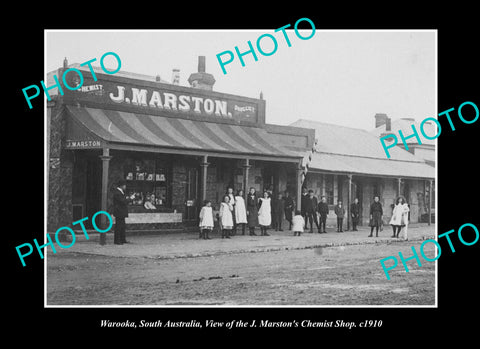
[[147, 182]]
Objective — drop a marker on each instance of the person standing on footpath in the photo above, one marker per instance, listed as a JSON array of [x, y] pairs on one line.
[[289, 208], [231, 196], [278, 206], [400, 217], [323, 210], [265, 213], [120, 211], [226, 218], [304, 204], [252, 211], [376, 213], [240, 210], [206, 220], [340, 212], [355, 213], [311, 211]]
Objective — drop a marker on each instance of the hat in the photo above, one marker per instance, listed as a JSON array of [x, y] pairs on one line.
[[121, 182]]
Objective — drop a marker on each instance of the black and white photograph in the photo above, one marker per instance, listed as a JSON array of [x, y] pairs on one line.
[[270, 189], [234, 175]]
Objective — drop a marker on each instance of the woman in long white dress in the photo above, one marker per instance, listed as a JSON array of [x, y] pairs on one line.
[[265, 213], [225, 214], [400, 217], [240, 210]]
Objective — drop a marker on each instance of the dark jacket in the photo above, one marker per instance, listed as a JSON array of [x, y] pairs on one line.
[[120, 204], [303, 202], [252, 209], [289, 207], [355, 210], [376, 211], [323, 209], [278, 206], [376, 208], [340, 211], [310, 204]]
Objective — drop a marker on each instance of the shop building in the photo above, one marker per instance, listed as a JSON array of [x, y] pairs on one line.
[[174, 145], [350, 163]]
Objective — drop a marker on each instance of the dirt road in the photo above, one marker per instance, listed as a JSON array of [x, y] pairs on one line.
[[344, 275]]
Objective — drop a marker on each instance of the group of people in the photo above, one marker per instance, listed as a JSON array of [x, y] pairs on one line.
[[235, 212], [310, 207]]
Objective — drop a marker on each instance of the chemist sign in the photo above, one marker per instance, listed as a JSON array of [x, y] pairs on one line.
[[167, 100]]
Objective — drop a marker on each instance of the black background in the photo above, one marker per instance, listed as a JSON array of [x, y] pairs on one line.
[[458, 76]]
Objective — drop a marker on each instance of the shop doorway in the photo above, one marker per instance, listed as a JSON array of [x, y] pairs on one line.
[[270, 179], [191, 194], [93, 188]]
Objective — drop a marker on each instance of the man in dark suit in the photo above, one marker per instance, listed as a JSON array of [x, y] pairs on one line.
[[278, 206], [289, 208], [120, 211], [304, 203], [355, 212], [323, 210], [311, 210]]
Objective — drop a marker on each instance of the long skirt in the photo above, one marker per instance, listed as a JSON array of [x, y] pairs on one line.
[[376, 220], [252, 217]]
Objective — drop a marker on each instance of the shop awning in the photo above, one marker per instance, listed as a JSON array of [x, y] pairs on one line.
[[169, 132]]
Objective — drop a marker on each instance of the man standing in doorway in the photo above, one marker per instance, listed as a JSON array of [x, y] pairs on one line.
[[120, 211]]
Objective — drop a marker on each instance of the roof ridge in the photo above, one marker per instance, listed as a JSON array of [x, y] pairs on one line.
[[370, 157], [328, 123]]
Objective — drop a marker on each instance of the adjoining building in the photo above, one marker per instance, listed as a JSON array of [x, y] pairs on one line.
[[350, 163], [174, 145], [424, 150]]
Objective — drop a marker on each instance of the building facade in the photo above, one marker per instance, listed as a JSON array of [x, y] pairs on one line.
[[350, 163], [174, 145]]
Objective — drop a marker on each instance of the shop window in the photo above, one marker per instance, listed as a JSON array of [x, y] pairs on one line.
[[147, 180]]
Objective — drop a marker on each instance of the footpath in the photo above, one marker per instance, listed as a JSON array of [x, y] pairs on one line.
[[188, 245]]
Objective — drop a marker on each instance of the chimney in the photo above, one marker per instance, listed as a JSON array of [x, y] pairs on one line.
[[380, 119], [201, 64], [176, 76], [157, 78], [201, 79], [388, 124], [65, 63]]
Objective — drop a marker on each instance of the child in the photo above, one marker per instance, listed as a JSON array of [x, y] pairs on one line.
[[206, 220], [231, 196], [265, 214], [226, 218], [240, 210], [340, 212], [252, 211], [298, 223]]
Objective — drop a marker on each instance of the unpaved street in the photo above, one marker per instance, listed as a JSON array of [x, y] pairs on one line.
[[344, 275]]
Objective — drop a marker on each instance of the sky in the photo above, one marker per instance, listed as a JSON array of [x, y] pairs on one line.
[[338, 77]]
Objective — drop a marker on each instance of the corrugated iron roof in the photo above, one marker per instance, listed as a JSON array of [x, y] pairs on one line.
[[352, 150]]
